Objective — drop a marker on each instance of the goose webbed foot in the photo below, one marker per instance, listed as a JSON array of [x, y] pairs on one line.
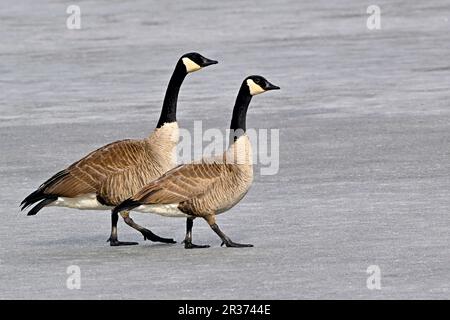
[[232, 244], [115, 243], [148, 235], [189, 245]]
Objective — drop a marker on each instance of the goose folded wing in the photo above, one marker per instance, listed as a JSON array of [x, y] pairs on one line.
[[181, 183], [87, 175]]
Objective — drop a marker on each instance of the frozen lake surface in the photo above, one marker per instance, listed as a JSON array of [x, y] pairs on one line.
[[364, 121]]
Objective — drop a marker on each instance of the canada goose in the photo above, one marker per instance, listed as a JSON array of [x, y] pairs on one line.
[[113, 173], [210, 186]]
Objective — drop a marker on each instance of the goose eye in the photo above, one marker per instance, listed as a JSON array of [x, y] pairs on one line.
[[257, 81]]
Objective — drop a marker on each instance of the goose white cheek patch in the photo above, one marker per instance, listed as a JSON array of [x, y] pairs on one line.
[[254, 88], [191, 66]]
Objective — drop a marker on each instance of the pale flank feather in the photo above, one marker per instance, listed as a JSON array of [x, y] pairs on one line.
[[201, 188]]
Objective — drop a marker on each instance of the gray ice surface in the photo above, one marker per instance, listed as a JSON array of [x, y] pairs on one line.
[[364, 173]]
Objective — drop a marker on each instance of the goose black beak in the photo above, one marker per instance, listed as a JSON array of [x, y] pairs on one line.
[[270, 86], [207, 62]]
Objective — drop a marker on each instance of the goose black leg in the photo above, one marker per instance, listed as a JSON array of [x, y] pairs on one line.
[[148, 235], [188, 239], [211, 219], [113, 237]]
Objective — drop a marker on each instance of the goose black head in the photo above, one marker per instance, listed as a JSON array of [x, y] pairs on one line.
[[194, 61], [259, 84]]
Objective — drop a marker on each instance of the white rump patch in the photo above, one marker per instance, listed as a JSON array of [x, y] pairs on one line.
[[166, 210], [84, 202]]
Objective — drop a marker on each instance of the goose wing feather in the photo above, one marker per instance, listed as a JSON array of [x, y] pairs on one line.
[[87, 174], [182, 183]]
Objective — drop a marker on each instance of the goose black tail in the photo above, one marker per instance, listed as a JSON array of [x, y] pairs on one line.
[[32, 198], [40, 205], [39, 194], [128, 204]]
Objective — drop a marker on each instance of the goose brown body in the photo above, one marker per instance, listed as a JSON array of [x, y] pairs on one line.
[[117, 170], [203, 188]]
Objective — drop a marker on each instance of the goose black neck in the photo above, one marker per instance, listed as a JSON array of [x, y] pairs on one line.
[[169, 108], [238, 121]]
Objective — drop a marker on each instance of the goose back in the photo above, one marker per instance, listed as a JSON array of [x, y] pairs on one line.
[[118, 170]]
